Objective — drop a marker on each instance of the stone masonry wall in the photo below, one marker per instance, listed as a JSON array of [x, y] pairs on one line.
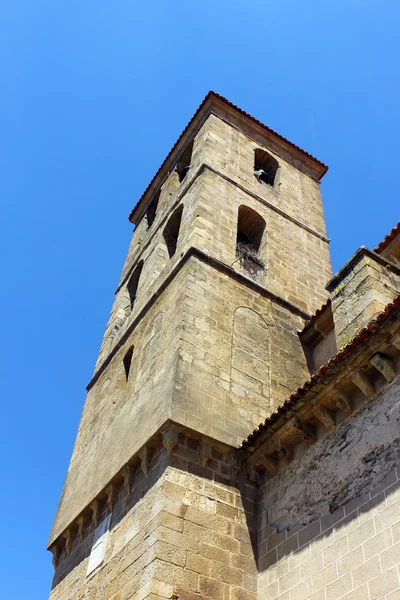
[[220, 179], [211, 354], [183, 531], [239, 357], [231, 152], [297, 261], [372, 283], [119, 415], [330, 521]]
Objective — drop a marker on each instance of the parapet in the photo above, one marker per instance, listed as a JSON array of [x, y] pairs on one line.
[[360, 290]]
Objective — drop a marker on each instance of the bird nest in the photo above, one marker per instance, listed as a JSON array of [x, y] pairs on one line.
[[249, 258]]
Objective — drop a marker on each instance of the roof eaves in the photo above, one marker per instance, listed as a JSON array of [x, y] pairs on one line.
[[389, 238], [210, 95], [365, 333], [317, 314]]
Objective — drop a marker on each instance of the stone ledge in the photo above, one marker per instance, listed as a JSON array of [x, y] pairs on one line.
[[223, 267]]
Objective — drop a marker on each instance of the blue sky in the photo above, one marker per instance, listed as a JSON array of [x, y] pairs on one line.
[[93, 96]]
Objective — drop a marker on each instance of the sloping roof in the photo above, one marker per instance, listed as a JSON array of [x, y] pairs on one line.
[[355, 343], [389, 238], [318, 313], [209, 96]]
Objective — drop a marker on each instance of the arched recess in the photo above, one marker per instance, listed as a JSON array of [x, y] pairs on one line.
[[250, 361], [152, 210], [251, 239], [265, 167], [171, 230], [150, 353], [250, 227]]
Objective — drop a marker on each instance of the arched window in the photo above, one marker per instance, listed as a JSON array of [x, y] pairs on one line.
[[183, 164], [133, 283], [127, 362], [250, 227], [171, 230], [152, 210], [250, 232], [265, 166]]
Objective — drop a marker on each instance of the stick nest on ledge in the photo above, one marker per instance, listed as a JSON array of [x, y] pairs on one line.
[[249, 258]]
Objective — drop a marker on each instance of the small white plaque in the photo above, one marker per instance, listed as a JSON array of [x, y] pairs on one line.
[[99, 545]]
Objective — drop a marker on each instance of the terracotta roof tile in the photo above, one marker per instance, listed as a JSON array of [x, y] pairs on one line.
[[318, 313], [357, 341], [385, 243], [231, 105]]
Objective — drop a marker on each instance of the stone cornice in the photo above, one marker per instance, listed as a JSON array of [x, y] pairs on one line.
[[215, 263], [353, 260], [164, 440], [363, 370], [222, 108], [183, 191]]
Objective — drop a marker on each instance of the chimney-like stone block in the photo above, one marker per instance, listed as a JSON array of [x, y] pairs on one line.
[[361, 290]]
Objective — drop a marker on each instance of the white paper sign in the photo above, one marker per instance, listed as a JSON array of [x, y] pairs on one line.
[[99, 545]]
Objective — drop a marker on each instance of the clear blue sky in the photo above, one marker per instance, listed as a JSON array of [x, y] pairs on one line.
[[93, 96]]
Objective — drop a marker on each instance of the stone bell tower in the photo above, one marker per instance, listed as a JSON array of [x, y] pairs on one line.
[[228, 259]]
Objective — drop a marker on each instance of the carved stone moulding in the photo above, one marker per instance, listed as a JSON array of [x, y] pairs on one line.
[[320, 405]]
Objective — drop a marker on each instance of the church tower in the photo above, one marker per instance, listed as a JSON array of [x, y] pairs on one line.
[[228, 260]]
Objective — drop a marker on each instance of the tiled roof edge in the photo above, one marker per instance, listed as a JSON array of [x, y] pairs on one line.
[[390, 237], [212, 94], [318, 313], [357, 340]]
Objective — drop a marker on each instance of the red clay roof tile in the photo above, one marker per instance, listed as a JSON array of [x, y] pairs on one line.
[[357, 340], [231, 105], [385, 243]]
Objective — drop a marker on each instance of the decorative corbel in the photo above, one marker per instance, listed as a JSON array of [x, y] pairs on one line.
[[111, 492], [363, 383], [283, 450], [128, 473], [253, 474], [324, 417], [205, 451], [268, 463], [170, 438], [68, 540], [237, 465], [305, 432], [395, 341], [342, 402], [56, 550], [145, 458], [235, 470], [94, 507], [384, 365], [82, 520]]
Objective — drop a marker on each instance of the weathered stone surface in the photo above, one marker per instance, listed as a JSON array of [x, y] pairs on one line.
[[201, 346]]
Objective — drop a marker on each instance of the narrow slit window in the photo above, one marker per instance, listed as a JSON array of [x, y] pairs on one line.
[[183, 164], [127, 362], [171, 231], [152, 210], [265, 167], [133, 283]]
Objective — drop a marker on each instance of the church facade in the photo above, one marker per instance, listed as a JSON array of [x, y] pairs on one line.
[[240, 438]]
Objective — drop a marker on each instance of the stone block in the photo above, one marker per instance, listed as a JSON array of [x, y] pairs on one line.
[[383, 584], [366, 571]]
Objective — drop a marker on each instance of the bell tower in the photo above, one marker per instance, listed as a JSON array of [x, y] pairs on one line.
[[228, 259]]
